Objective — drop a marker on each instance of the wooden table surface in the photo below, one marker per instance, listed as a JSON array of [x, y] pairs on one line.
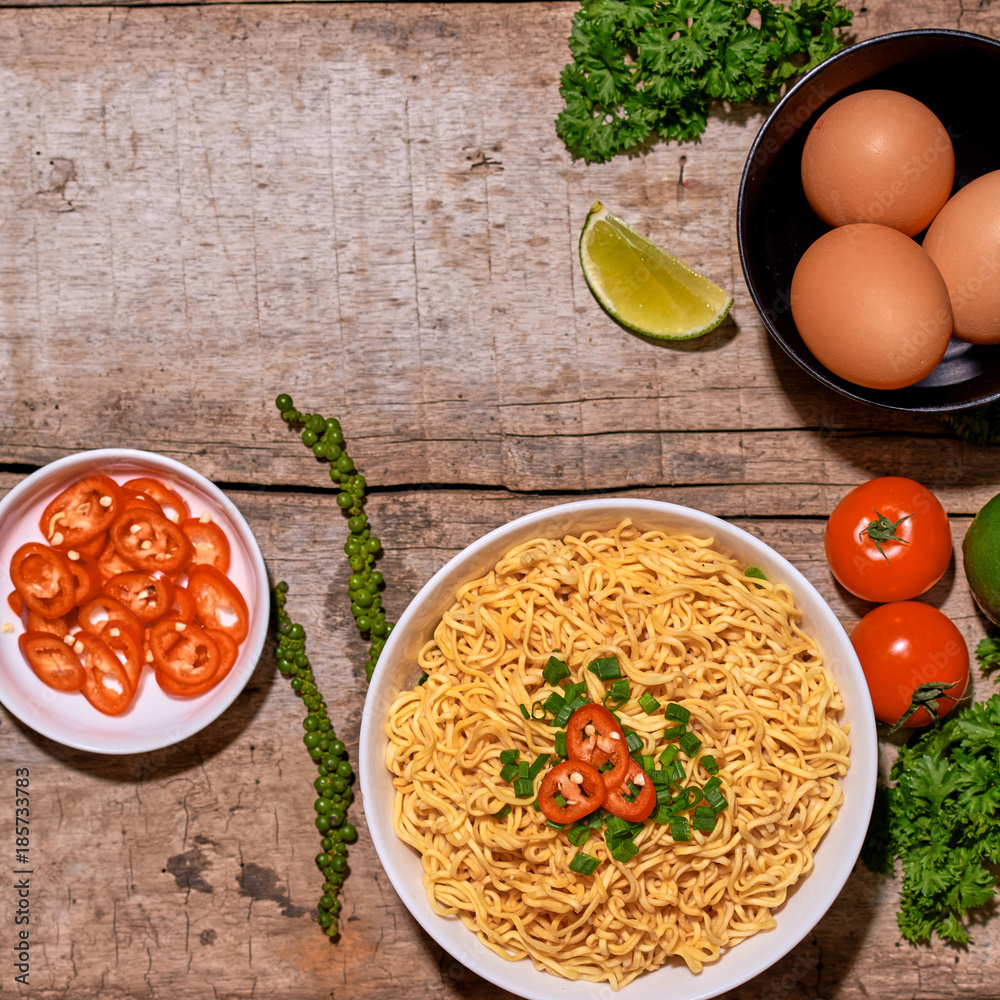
[[366, 205]]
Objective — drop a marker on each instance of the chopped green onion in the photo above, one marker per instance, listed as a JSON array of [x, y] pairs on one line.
[[662, 815], [676, 772], [561, 743], [663, 796], [677, 712], [675, 732], [563, 715], [680, 829], [554, 671], [686, 799], [509, 756], [704, 819], [710, 784], [509, 772], [620, 690], [554, 703], [422, 680], [577, 835], [559, 800], [540, 761], [524, 788], [716, 799], [710, 763], [606, 668], [624, 851], [648, 703], [669, 755], [537, 806], [659, 778], [583, 864], [570, 691], [523, 769], [555, 825], [502, 812], [538, 711], [617, 828], [524, 711], [754, 573], [645, 761], [690, 744], [632, 739]]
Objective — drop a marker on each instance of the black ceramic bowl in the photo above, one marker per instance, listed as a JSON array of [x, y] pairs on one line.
[[957, 75]]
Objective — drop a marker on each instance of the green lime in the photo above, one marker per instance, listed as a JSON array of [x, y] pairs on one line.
[[981, 553], [642, 286]]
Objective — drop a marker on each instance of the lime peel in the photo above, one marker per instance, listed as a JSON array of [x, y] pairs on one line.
[[643, 287]]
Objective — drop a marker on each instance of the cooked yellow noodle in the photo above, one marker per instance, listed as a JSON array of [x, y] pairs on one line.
[[687, 626]]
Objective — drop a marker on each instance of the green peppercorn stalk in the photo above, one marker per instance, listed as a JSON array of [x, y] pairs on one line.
[[335, 772], [326, 440]]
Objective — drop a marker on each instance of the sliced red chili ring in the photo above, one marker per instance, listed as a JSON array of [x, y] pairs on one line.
[[81, 511], [96, 613], [570, 790], [43, 579], [127, 646], [148, 597], [107, 686], [149, 541], [635, 798], [218, 602], [52, 660], [184, 653], [209, 543], [594, 736], [171, 503], [86, 575], [54, 626]]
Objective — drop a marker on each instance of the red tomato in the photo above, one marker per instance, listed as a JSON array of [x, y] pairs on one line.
[[888, 540], [107, 686], [148, 597], [43, 579], [209, 542], [914, 658], [81, 511], [580, 787], [52, 660], [218, 603], [173, 505], [635, 798], [593, 736], [183, 653], [150, 541]]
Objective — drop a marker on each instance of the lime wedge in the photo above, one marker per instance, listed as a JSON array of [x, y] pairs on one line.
[[643, 287]]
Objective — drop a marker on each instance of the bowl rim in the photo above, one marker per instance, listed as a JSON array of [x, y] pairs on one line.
[[153, 737], [393, 855], [817, 370]]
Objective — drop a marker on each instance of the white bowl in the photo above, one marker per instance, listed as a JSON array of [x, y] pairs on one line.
[[806, 903], [154, 719]]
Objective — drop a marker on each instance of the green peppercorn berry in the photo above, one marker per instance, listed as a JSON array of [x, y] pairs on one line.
[[319, 449], [323, 806], [337, 749], [323, 824], [355, 581], [344, 500], [316, 424], [310, 722], [327, 844], [356, 524], [377, 578], [338, 862], [322, 860], [335, 816], [325, 783], [352, 546], [344, 769], [324, 919], [337, 785], [296, 632], [357, 562], [364, 598], [316, 753], [379, 627], [309, 438], [364, 623], [345, 463], [372, 544], [348, 833], [283, 402]]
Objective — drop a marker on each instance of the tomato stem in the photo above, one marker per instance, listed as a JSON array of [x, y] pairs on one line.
[[883, 530], [927, 696]]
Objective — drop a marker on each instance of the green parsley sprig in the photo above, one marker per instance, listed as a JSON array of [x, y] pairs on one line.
[[940, 817], [642, 71]]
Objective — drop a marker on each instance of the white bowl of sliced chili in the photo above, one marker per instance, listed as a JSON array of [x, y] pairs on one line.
[[135, 601], [394, 732]]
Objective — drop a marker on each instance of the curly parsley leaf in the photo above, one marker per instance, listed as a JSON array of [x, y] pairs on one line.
[[642, 71], [941, 819]]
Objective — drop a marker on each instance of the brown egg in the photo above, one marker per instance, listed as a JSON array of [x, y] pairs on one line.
[[871, 306], [878, 156], [964, 242]]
